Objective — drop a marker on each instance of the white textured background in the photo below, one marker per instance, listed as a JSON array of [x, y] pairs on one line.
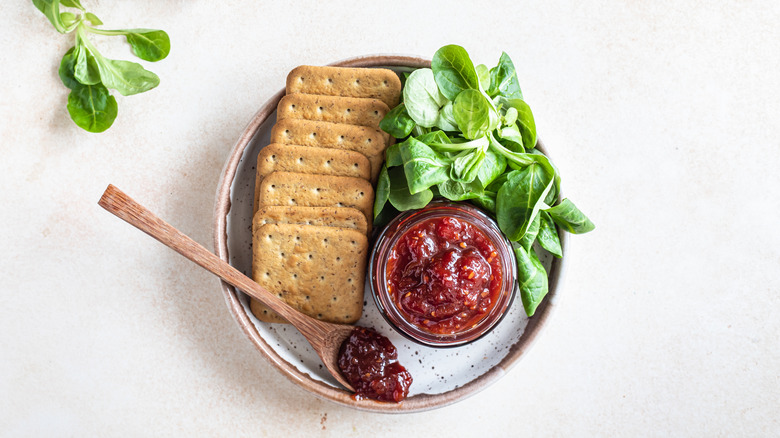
[[663, 116]]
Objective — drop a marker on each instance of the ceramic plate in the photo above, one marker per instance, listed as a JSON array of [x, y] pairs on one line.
[[441, 376]]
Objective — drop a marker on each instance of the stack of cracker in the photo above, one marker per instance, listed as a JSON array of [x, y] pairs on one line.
[[313, 190]]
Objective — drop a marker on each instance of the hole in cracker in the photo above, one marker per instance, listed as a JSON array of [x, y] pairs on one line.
[[325, 240], [349, 280], [341, 138], [353, 242], [281, 254], [308, 297], [330, 80], [287, 132], [311, 256], [338, 259], [300, 160], [273, 186], [376, 113], [267, 274], [339, 204], [269, 237], [327, 163], [349, 110], [301, 78], [296, 277], [292, 201], [320, 109], [298, 238], [319, 315], [355, 165], [357, 81], [322, 278], [384, 83], [368, 140], [292, 107], [362, 194], [335, 299]]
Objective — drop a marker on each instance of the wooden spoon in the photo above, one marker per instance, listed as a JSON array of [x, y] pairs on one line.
[[326, 338]]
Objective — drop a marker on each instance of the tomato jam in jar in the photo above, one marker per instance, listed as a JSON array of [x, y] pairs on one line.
[[443, 275]]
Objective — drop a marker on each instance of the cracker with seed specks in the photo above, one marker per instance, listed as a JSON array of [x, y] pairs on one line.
[[339, 217], [360, 139], [334, 109], [305, 159], [305, 190], [319, 271], [377, 83]]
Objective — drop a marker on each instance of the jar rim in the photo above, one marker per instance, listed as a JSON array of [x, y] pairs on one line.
[[397, 227]]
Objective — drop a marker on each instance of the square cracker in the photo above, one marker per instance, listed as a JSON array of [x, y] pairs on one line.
[[339, 217], [303, 159], [334, 109], [319, 271], [306, 190], [367, 141], [377, 83]]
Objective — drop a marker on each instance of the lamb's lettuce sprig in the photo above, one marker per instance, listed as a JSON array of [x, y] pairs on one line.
[[90, 75], [468, 134]]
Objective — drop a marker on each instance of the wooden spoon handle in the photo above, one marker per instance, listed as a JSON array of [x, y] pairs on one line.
[[125, 208]]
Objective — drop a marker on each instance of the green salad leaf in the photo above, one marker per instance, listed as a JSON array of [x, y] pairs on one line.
[[89, 75]]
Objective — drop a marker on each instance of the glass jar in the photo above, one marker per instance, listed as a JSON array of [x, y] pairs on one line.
[[443, 258]]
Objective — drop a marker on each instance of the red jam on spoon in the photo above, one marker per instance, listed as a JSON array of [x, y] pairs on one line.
[[369, 362]]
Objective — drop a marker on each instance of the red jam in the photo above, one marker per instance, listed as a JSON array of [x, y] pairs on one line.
[[444, 275], [368, 361]]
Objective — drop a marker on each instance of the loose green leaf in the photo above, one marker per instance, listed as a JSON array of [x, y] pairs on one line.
[[86, 69], [92, 108], [525, 120], [93, 19], [69, 20], [51, 9], [446, 120], [472, 113], [466, 167], [520, 199], [486, 201], [149, 44], [548, 235], [382, 192], [397, 122], [492, 166], [126, 77], [66, 70], [400, 197], [454, 71], [459, 191], [532, 279], [422, 98], [503, 79], [422, 165], [530, 236], [570, 218], [393, 155], [484, 76], [72, 4]]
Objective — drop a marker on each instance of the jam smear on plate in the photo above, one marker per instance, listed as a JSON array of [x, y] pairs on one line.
[[368, 361], [444, 275]]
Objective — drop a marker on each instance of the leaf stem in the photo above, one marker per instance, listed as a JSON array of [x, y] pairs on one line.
[[105, 32]]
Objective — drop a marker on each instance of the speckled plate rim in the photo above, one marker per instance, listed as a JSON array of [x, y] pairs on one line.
[[417, 403]]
